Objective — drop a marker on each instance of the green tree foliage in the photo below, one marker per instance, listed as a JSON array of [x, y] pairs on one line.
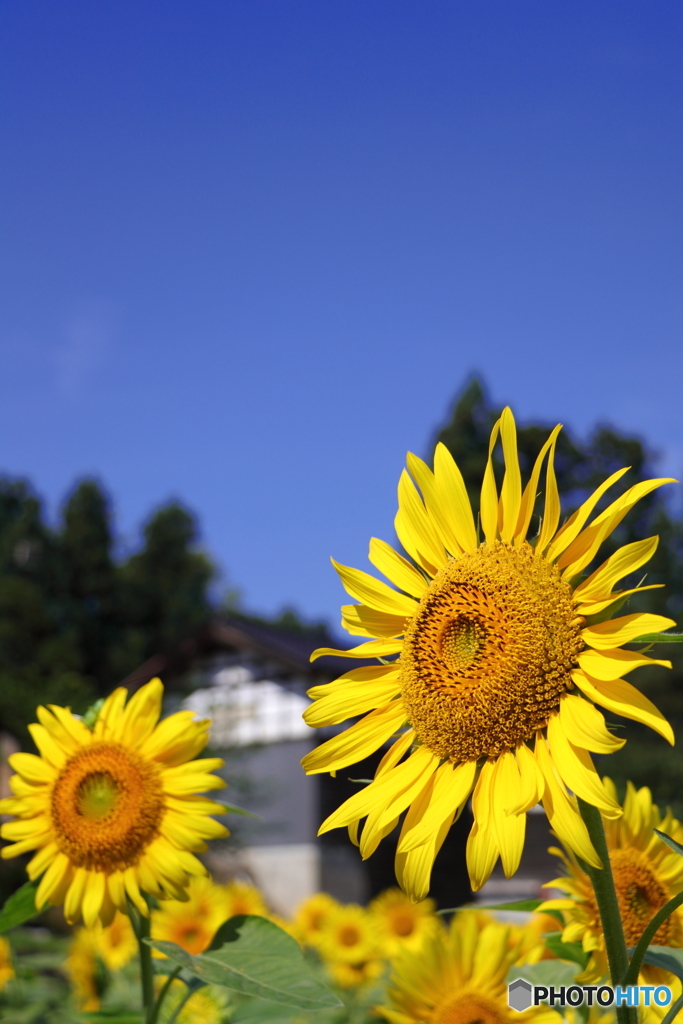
[[581, 465], [74, 620]]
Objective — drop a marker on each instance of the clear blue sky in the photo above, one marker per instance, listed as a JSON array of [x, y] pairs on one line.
[[251, 249]]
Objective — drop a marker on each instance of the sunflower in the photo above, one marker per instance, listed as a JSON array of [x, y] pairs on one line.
[[193, 923], [402, 924], [350, 936], [243, 898], [6, 968], [458, 977], [208, 1005], [311, 917], [116, 943], [86, 970], [347, 975], [647, 874], [113, 813], [493, 656]]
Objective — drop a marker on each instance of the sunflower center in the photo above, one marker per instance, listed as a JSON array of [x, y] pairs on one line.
[[106, 807], [489, 652], [468, 1008], [640, 894], [348, 936], [403, 925]]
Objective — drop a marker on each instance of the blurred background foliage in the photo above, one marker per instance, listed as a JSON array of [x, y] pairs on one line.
[[75, 619]]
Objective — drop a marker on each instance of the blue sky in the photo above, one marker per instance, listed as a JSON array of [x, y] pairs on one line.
[[250, 250]]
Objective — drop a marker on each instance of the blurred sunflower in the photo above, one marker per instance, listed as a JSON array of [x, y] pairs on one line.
[[402, 924], [311, 917], [193, 923], [116, 943], [6, 968], [347, 975], [208, 1005], [350, 936], [647, 874], [243, 898], [86, 970], [458, 977], [501, 652], [113, 813]]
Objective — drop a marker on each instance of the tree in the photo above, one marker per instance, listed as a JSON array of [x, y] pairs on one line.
[[73, 621]]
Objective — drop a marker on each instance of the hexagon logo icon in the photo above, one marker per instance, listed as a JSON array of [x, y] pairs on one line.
[[519, 995]]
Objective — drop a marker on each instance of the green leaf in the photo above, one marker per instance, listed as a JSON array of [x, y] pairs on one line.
[[20, 907], [529, 905], [659, 638], [93, 713], [667, 957], [572, 951], [255, 958], [234, 809], [676, 847]]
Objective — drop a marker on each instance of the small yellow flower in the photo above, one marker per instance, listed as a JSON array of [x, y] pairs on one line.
[[193, 923], [492, 665], [354, 975], [85, 969], [350, 936], [458, 976], [210, 1005], [116, 943], [647, 874], [6, 968], [402, 924], [312, 916], [114, 812], [243, 898]]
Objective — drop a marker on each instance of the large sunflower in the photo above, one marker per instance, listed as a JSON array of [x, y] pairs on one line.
[[647, 874], [458, 976], [113, 813], [493, 655]]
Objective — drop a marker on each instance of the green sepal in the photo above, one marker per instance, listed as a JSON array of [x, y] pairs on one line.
[[658, 638], [573, 951], [93, 713], [671, 843]]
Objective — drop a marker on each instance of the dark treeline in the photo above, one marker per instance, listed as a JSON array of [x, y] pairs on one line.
[[581, 465], [74, 620]]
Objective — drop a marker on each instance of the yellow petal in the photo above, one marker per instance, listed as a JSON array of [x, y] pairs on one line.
[[382, 792], [451, 787], [130, 881], [53, 880], [584, 726], [627, 559], [373, 592], [354, 699], [141, 714], [110, 713], [426, 481], [414, 867], [32, 768], [624, 630], [532, 783], [592, 607], [93, 898], [47, 745], [356, 742], [577, 771], [562, 813], [415, 530], [572, 528], [530, 491], [511, 491], [623, 699], [396, 568], [481, 854], [509, 828], [489, 493], [395, 752], [368, 674], [614, 664], [362, 620], [74, 896], [372, 649], [454, 499]]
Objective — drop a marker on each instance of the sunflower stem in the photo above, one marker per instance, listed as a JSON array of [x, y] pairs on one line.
[[602, 881], [141, 927]]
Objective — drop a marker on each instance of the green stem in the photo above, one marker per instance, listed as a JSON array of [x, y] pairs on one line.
[[141, 927], [631, 976], [608, 905], [671, 1015], [180, 1005], [162, 995]]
